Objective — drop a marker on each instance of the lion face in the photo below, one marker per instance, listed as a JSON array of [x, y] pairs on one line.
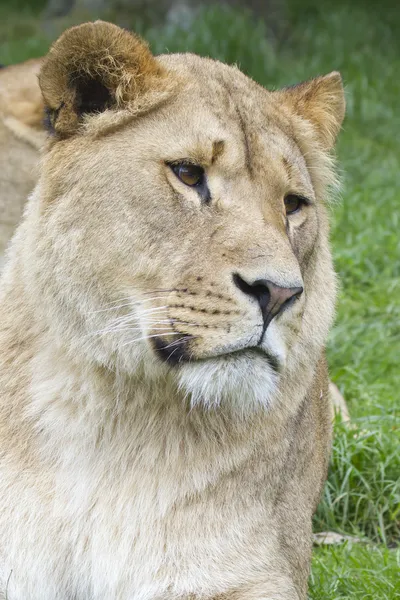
[[181, 230]]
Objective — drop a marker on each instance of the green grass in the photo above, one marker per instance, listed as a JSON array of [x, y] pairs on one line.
[[362, 496], [353, 571]]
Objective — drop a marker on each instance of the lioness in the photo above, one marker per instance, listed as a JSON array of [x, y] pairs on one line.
[[21, 136], [164, 419]]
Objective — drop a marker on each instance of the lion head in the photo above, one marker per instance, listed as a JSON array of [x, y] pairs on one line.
[[179, 229]]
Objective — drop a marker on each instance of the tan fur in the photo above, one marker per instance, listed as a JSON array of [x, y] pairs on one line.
[[20, 95], [21, 136], [124, 476]]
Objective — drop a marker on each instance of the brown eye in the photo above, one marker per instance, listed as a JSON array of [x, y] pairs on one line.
[[191, 175], [293, 203]]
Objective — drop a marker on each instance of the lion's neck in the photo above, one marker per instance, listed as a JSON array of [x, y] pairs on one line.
[[107, 424]]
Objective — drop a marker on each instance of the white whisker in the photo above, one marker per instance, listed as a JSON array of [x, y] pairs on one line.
[[147, 337], [125, 327], [161, 291], [116, 307], [182, 339], [117, 303], [151, 310]]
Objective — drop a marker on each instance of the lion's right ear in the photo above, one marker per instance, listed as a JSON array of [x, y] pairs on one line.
[[320, 101], [94, 67]]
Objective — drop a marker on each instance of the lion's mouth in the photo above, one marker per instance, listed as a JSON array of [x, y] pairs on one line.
[[172, 354], [252, 351], [177, 354]]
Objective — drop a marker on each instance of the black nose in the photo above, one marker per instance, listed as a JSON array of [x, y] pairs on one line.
[[272, 298]]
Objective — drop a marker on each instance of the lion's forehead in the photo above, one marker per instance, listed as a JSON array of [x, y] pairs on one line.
[[224, 89], [218, 102]]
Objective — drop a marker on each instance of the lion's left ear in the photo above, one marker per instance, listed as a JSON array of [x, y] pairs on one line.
[[320, 101], [93, 67]]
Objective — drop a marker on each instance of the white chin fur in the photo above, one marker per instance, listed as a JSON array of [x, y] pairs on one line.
[[244, 383]]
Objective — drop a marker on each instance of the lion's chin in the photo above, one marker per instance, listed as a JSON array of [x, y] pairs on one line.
[[244, 382]]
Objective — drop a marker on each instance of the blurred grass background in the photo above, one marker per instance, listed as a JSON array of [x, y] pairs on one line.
[[280, 44]]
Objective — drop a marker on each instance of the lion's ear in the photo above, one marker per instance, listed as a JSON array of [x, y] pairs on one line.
[[93, 67], [321, 101]]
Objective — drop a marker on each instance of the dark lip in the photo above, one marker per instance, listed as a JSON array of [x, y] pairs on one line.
[[179, 355], [272, 360]]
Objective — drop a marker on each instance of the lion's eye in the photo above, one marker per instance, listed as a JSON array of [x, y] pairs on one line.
[[294, 203], [191, 175]]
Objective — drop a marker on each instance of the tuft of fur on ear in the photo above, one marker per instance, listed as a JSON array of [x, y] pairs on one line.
[[93, 67], [320, 101]]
